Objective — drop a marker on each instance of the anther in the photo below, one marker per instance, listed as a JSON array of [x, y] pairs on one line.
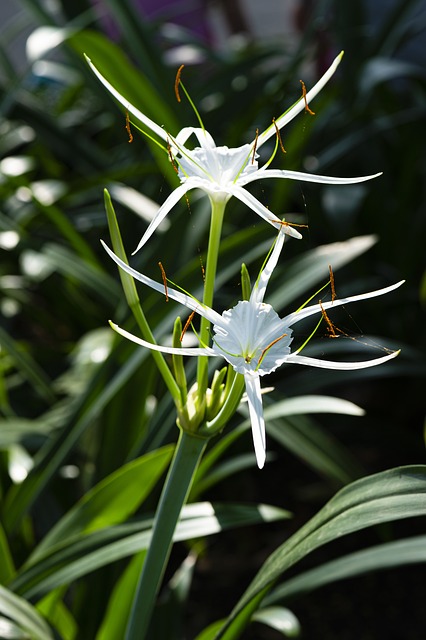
[[187, 323], [332, 330], [163, 275], [333, 290], [255, 146], [177, 82], [129, 131], [271, 344], [312, 113], [291, 224], [277, 131]]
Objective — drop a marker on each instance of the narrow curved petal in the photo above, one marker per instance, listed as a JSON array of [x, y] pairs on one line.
[[300, 104], [259, 289], [262, 211], [341, 366], [184, 351], [184, 299], [161, 133], [204, 137], [165, 208], [254, 399], [304, 177], [296, 316]]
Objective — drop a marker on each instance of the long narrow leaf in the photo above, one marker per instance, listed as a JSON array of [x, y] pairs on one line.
[[392, 495]]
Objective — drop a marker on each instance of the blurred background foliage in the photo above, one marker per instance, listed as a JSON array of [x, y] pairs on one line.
[[76, 402]]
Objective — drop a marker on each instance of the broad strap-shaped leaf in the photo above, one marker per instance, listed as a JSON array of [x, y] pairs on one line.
[[391, 495], [82, 554], [379, 557], [24, 615], [111, 501]]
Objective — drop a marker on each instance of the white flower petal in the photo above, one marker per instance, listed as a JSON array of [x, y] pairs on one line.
[[262, 211], [138, 114], [259, 290], [299, 106], [341, 366], [305, 177], [188, 351], [165, 208], [203, 136], [184, 299], [296, 316], [254, 399]]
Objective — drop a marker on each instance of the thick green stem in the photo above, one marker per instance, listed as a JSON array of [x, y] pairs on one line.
[[218, 209], [189, 451]]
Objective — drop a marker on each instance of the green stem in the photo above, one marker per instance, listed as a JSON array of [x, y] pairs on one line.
[[188, 453], [218, 209]]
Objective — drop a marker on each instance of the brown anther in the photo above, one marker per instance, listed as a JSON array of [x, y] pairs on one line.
[[163, 275], [255, 146], [271, 344], [332, 330], [187, 323], [129, 131], [177, 82], [291, 224], [333, 290], [277, 131], [307, 109], [171, 158]]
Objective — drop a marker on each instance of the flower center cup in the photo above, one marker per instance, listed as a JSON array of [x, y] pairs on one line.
[[253, 338], [218, 165]]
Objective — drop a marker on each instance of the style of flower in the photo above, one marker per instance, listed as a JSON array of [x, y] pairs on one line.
[[251, 336], [222, 172]]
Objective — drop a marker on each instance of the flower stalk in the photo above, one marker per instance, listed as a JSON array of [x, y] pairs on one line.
[[188, 453], [218, 210]]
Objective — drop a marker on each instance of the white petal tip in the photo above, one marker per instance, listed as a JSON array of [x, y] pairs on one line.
[[261, 460]]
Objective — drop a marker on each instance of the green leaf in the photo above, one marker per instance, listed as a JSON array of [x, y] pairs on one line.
[[81, 555], [55, 611], [24, 615], [28, 367], [7, 569], [391, 495], [111, 501], [383, 556], [120, 603]]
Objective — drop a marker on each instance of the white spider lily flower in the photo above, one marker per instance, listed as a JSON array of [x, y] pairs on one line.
[[252, 338], [222, 172]]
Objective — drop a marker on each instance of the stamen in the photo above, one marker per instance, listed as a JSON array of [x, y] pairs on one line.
[[333, 290], [290, 224], [128, 127], [332, 330], [187, 323], [262, 355], [177, 82], [277, 131], [255, 146], [307, 109], [163, 275], [171, 158]]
